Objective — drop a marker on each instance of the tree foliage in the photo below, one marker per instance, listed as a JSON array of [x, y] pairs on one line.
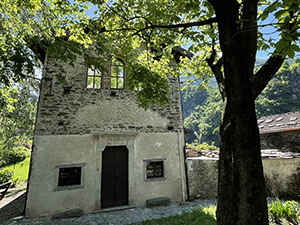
[[17, 118], [281, 95], [224, 37], [205, 119]]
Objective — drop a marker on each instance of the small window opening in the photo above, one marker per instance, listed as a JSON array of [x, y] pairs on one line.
[[117, 74], [94, 78], [69, 176], [155, 169]]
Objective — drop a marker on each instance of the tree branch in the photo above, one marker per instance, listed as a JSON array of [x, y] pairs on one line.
[[180, 25], [260, 80], [265, 73], [216, 69]]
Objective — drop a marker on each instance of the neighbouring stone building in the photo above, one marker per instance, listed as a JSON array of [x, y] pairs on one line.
[[281, 131], [280, 144], [95, 148]]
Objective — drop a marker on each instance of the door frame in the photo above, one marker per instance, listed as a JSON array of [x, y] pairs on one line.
[[125, 151], [114, 139]]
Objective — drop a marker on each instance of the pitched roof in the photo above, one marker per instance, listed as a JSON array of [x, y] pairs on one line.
[[279, 122]]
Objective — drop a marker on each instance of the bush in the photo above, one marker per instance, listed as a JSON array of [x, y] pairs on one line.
[[5, 176], [204, 146], [14, 155], [289, 211], [2, 161]]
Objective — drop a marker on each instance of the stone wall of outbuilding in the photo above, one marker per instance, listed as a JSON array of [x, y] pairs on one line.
[[287, 141], [282, 176]]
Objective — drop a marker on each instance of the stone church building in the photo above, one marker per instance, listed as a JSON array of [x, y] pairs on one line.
[[95, 148]]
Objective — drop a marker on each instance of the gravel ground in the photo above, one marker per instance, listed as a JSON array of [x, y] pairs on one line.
[[127, 216]]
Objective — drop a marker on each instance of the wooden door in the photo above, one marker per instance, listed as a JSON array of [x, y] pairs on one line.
[[114, 180]]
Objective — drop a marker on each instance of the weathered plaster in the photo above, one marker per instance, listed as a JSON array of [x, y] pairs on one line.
[[118, 111], [282, 177], [54, 150]]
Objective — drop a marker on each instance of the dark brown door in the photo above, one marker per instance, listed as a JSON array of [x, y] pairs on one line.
[[114, 181]]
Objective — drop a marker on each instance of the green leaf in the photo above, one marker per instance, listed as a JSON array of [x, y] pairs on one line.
[[281, 13]]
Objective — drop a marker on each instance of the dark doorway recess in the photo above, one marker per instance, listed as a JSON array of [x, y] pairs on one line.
[[114, 180]]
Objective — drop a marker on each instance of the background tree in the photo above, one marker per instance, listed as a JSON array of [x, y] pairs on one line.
[[17, 121], [281, 95], [205, 118], [17, 118], [147, 33]]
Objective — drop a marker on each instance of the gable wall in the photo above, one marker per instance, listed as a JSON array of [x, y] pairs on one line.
[[75, 124]]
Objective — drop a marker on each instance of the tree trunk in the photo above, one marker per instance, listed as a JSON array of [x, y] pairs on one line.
[[241, 187]]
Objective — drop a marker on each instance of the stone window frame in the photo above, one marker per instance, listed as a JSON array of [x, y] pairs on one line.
[[119, 59], [93, 75], [69, 187], [154, 178]]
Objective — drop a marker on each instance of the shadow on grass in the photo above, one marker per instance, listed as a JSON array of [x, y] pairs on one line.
[[197, 217], [13, 209]]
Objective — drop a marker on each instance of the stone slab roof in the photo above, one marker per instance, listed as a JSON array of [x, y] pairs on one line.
[[279, 122]]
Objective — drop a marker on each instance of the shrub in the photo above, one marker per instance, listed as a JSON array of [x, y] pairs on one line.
[[14, 155], [289, 211], [2, 161], [5, 176], [204, 146]]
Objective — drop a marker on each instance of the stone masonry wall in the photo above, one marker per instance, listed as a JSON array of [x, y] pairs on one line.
[[282, 177], [70, 108], [287, 141]]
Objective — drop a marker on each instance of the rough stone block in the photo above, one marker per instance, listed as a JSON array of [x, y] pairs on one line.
[[68, 214], [161, 201]]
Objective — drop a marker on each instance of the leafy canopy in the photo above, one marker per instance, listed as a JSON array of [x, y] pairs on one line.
[[147, 34]]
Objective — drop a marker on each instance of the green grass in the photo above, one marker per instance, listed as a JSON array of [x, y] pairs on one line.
[[201, 216], [20, 170]]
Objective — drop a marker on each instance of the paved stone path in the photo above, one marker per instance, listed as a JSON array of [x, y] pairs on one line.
[[122, 217]]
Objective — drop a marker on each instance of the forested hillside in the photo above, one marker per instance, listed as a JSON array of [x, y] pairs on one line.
[[202, 108]]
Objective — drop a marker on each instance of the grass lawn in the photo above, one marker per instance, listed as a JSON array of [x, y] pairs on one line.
[[201, 216], [20, 170]]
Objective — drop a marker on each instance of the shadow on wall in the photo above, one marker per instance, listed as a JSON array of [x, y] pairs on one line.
[[282, 176], [13, 209], [289, 190]]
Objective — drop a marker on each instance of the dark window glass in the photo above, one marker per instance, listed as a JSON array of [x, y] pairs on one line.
[[155, 169], [69, 176]]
